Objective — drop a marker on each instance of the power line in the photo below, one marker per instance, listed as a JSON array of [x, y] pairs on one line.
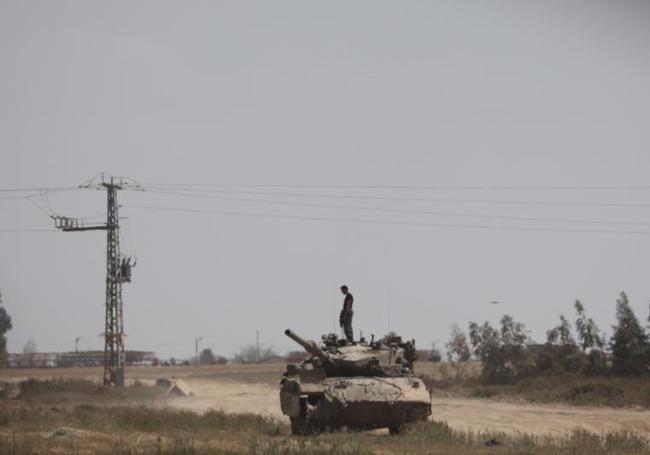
[[14, 197], [415, 187], [130, 236], [411, 212], [45, 197], [37, 189], [36, 192], [379, 222], [38, 206], [44, 206], [27, 230], [44, 194], [429, 199]]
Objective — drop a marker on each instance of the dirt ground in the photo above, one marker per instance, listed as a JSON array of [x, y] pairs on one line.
[[459, 413], [254, 388]]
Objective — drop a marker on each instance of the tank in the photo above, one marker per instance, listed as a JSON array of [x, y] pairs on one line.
[[359, 385]]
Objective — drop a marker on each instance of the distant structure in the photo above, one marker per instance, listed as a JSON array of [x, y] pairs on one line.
[[118, 271], [75, 359]]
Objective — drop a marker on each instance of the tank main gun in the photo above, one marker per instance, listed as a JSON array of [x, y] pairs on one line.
[[310, 347]]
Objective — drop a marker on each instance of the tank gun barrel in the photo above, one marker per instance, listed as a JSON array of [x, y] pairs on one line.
[[309, 346]]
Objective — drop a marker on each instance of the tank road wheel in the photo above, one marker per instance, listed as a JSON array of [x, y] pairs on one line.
[[301, 426], [396, 429]]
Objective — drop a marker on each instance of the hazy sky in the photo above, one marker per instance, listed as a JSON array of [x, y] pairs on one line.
[[377, 93]]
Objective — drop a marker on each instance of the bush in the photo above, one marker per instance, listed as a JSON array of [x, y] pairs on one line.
[[593, 393], [32, 386]]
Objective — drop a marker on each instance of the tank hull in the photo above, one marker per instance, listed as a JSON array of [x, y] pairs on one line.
[[354, 402]]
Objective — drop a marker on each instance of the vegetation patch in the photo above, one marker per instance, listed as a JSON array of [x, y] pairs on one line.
[[96, 430], [141, 418], [578, 366], [33, 387]]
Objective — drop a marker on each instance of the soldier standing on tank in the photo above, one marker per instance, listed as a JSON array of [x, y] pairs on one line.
[[345, 318]]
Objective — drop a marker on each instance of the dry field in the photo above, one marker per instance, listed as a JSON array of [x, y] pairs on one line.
[[253, 390]]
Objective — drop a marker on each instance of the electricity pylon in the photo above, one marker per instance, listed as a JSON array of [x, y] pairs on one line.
[[118, 271]]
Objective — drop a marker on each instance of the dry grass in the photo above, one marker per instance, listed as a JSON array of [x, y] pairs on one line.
[[49, 419], [261, 372], [443, 379], [141, 430], [615, 392], [77, 416], [78, 391], [462, 380], [444, 375]]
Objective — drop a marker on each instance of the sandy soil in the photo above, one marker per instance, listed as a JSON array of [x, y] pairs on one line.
[[481, 414], [254, 389], [230, 396], [460, 413]]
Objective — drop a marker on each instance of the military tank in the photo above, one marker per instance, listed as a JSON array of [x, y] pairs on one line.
[[359, 385]]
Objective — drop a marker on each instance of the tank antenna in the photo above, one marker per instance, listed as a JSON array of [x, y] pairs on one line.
[[388, 305]]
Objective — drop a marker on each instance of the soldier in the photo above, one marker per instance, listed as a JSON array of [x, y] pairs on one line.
[[345, 318]]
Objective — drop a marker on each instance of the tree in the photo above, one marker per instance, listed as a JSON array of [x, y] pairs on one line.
[[207, 357], [250, 354], [514, 339], [589, 336], [484, 340], [561, 334], [433, 354], [30, 347], [5, 326], [457, 347], [560, 354], [503, 352], [486, 346], [629, 343], [591, 341]]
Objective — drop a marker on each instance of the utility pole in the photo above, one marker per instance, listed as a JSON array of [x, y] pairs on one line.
[[196, 350], [118, 271], [257, 338]]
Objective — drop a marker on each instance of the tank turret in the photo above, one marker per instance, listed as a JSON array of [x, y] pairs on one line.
[[389, 356]]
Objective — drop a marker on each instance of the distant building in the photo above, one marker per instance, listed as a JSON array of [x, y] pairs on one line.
[[74, 359]]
